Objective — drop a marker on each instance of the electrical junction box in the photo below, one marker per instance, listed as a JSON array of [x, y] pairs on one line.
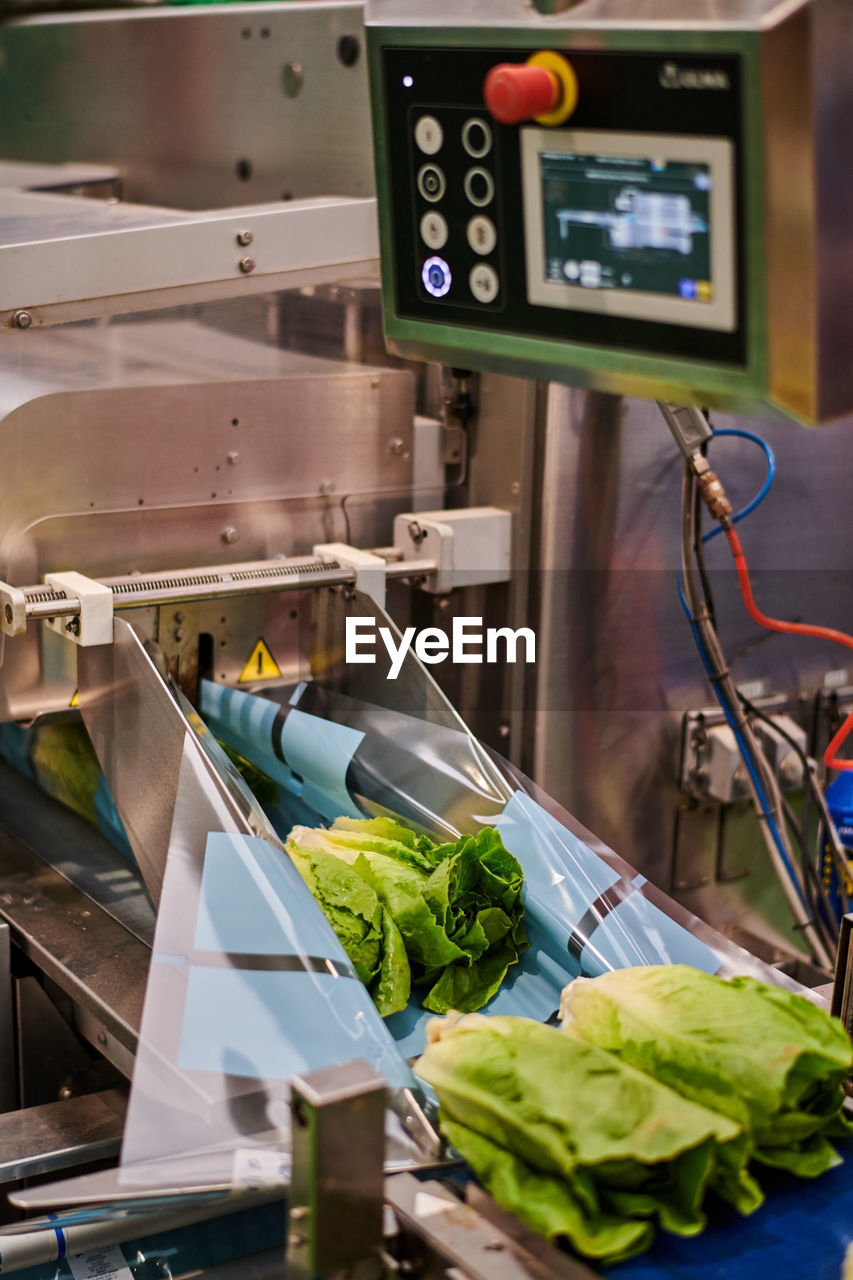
[[674, 223]]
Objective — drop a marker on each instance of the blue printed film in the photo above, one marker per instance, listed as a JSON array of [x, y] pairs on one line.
[[586, 909]]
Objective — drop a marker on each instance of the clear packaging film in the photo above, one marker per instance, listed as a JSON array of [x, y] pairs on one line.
[[249, 985], [586, 909]]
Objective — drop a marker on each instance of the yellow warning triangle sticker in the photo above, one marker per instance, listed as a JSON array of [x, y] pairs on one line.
[[75, 699], [261, 665]]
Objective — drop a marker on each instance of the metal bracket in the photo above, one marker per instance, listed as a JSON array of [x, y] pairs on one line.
[[471, 546], [337, 1179]]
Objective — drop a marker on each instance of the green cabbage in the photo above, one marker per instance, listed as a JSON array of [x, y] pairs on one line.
[[579, 1145], [409, 911], [768, 1059]]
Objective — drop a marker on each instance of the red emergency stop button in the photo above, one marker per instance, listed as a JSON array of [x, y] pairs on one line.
[[514, 92], [544, 89]]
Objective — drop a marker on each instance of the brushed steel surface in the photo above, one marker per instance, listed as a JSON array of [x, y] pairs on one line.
[[808, 103], [191, 102], [62, 251], [60, 1135], [140, 421], [8, 1083], [699, 15], [98, 963], [617, 668]]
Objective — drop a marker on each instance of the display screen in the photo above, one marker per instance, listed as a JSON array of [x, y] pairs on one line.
[[625, 222], [635, 225]]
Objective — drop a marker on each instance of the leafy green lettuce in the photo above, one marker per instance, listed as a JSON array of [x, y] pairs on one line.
[[768, 1059], [446, 917], [578, 1144]]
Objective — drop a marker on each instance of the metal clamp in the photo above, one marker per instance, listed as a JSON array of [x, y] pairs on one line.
[[370, 570], [94, 621]]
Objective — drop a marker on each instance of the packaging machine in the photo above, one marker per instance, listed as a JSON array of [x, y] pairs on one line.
[[212, 466]]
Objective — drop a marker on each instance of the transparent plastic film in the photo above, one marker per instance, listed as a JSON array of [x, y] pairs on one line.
[[248, 983], [407, 755]]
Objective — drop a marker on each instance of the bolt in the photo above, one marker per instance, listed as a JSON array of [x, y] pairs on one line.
[[229, 535], [503, 730], [298, 1212], [443, 603], [179, 634], [22, 319], [102, 1038], [416, 532], [64, 1093], [245, 237], [515, 488], [293, 78], [233, 458], [247, 265], [296, 1239], [397, 447], [73, 626], [179, 617]]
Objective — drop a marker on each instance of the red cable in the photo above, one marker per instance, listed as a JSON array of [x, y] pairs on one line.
[[797, 629]]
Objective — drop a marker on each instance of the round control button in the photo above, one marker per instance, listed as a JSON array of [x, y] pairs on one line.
[[436, 277], [479, 187], [429, 135], [431, 183], [481, 233], [434, 229], [483, 282], [476, 138]]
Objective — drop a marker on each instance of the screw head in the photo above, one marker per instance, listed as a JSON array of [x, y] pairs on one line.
[[247, 265], [22, 319], [245, 237], [293, 78], [233, 458], [229, 535]]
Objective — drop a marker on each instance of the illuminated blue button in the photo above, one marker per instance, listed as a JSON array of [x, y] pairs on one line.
[[436, 277], [687, 288]]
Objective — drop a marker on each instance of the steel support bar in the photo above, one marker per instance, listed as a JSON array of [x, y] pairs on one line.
[[18, 605]]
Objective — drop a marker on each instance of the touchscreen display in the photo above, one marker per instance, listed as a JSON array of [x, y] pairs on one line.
[[634, 225], [627, 222]]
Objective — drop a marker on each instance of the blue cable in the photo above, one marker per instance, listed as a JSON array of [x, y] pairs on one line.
[[768, 480], [742, 747], [697, 636]]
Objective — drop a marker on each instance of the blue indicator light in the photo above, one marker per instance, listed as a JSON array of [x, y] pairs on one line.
[[436, 277], [687, 288], [407, 82]]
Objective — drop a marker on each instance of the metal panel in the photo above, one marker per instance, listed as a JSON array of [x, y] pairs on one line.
[[60, 1135], [8, 1089], [174, 444], [700, 15], [196, 105], [93, 959], [617, 667], [59, 252]]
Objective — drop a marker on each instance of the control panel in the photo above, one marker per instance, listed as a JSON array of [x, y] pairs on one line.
[[648, 199], [560, 196]]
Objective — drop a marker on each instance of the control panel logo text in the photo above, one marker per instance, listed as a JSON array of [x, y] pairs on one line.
[[673, 76]]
